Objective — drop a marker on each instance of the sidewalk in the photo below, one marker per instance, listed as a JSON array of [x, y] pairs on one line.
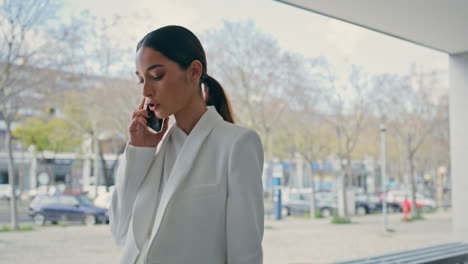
[[293, 240], [317, 241]]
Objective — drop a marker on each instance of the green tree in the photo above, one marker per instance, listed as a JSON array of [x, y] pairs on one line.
[[47, 133], [54, 134]]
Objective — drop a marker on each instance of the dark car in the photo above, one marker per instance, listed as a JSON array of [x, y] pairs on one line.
[[69, 207], [369, 203]]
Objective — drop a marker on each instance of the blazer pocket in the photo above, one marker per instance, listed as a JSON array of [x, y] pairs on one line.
[[202, 190]]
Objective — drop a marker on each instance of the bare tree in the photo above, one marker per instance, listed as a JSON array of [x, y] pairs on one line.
[[102, 119], [19, 21], [107, 55], [256, 72], [114, 117], [346, 108], [411, 104], [89, 60], [313, 141], [384, 86], [309, 135], [99, 119]]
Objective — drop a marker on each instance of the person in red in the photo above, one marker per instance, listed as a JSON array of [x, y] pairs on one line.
[[406, 208]]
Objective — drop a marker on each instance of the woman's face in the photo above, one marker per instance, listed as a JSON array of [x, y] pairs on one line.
[[166, 87]]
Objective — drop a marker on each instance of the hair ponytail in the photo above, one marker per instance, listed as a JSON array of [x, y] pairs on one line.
[[183, 47], [215, 96]]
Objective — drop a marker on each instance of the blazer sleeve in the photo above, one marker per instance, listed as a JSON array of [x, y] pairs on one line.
[[244, 211], [133, 166]]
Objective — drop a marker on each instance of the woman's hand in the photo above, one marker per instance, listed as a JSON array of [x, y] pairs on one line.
[[140, 134]]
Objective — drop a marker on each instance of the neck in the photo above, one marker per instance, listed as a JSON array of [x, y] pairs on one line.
[[189, 116]]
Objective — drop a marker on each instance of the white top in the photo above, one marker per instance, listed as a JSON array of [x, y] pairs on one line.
[[174, 144], [218, 169]]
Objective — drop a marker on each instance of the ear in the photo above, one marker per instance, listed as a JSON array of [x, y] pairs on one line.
[[195, 70]]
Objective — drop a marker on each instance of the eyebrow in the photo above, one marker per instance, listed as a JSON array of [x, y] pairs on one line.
[[151, 67]]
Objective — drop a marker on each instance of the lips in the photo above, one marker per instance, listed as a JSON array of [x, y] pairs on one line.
[[153, 107]]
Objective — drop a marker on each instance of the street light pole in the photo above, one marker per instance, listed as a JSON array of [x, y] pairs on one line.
[[383, 161]]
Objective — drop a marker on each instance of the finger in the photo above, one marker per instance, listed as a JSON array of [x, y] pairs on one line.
[[142, 124], [134, 123], [142, 121], [140, 112]]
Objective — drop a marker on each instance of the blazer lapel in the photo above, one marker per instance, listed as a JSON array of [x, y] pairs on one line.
[[145, 203], [185, 160]]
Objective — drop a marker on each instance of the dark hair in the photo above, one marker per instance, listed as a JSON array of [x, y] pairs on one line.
[[183, 47]]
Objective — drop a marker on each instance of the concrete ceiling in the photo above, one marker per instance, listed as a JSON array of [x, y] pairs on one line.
[[437, 24]]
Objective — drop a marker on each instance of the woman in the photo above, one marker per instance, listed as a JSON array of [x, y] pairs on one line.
[[193, 192]]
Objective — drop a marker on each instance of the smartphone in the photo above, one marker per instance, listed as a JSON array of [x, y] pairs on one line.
[[153, 122]]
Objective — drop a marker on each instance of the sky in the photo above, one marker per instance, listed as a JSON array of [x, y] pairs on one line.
[[295, 29]]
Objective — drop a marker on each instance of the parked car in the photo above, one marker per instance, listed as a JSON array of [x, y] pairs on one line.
[[297, 202], [369, 204], [399, 196], [71, 207], [294, 203]]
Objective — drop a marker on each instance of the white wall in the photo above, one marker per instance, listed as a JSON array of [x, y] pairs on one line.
[[459, 143]]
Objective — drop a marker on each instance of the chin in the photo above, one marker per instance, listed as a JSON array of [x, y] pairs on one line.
[[161, 115]]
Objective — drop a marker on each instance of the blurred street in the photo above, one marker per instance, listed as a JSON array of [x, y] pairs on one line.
[[292, 240]]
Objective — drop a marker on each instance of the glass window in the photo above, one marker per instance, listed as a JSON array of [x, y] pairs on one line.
[[84, 200], [48, 200], [305, 197], [68, 200]]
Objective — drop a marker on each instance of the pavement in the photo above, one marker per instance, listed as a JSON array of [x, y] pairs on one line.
[[294, 240], [303, 241]]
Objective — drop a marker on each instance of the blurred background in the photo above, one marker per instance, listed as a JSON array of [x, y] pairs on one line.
[[352, 121]]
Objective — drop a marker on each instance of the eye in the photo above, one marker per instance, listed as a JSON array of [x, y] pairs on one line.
[[159, 77], [140, 82]]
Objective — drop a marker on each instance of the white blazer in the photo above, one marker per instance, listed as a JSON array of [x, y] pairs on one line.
[[211, 208]]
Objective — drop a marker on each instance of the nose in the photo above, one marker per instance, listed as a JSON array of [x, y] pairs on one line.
[[148, 91]]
